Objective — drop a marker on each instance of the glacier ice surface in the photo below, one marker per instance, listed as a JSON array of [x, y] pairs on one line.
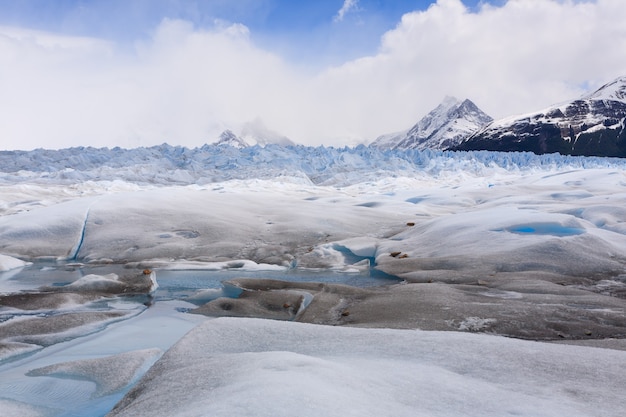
[[271, 209], [265, 368]]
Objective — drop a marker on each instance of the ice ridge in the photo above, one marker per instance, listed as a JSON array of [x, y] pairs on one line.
[[176, 165]]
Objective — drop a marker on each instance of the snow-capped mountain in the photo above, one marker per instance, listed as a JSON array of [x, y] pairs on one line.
[[444, 127], [228, 138], [593, 125]]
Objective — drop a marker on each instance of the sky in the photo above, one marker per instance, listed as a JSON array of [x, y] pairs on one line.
[[132, 73]]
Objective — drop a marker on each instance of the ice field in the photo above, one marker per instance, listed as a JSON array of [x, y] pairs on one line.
[[354, 281]]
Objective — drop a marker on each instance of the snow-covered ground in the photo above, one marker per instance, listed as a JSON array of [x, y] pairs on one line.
[[507, 244]]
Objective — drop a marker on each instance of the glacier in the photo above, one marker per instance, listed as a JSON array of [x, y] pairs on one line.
[[435, 257], [176, 165]]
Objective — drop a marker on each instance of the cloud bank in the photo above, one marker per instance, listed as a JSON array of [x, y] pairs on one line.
[[185, 84]]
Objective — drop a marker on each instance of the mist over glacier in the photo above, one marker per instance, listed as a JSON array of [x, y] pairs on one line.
[[512, 244]]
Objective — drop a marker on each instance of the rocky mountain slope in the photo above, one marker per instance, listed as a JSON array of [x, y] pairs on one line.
[[593, 125], [444, 127]]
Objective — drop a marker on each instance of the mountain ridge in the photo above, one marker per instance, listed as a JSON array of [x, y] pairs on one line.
[[592, 125]]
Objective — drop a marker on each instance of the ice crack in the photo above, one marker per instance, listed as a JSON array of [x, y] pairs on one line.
[[76, 249]]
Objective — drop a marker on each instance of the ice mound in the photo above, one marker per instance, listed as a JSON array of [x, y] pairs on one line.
[[110, 374], [273, 304], [8, 262], [363, 246], [262, 368], [113, 284], [281, 300], [499, 238], [348, 255], [99, 283], [517, 305], [261, 298]]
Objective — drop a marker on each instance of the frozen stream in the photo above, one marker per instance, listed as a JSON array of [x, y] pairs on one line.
[[27, 381], [181, 283]]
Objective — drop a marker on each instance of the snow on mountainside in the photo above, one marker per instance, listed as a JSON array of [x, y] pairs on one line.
[[445, 126], [593, 125], [615, 90]]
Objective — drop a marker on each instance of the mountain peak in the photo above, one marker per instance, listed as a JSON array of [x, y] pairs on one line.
[[446, 125], [228, 138], [615, 90]]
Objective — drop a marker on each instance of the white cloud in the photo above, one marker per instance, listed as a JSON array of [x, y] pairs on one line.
[[182, 86], [347, 7], [185, 85]]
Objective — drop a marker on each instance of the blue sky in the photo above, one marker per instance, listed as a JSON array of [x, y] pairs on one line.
[[334, 72], [311, 31], [134, 18]]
